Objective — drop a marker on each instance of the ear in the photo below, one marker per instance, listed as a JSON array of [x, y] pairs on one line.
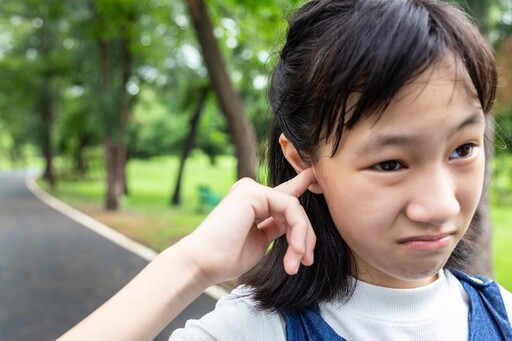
[[292, 156]]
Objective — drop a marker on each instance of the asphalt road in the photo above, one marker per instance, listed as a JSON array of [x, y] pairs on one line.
[[54, 271]]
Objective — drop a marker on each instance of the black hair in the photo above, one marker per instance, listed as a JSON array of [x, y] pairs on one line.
[[335, 49]]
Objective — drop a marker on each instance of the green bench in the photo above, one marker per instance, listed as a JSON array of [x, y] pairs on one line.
[[207, 197]]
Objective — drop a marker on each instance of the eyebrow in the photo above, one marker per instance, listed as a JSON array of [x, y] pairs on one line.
[[384, 140]]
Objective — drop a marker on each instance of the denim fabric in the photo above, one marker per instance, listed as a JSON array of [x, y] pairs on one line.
[[487, 319], [309, 325]]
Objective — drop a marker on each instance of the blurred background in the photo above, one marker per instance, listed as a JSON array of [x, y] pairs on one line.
[[143, 113]]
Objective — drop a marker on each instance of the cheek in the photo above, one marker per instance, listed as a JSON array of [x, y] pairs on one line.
[[470, 189], [358, 207]]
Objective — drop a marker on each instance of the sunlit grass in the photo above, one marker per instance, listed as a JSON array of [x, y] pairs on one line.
[[502, 242], [151, 182], [146, 214]]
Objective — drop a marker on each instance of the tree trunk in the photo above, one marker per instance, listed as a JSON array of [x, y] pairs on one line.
[[109, 146], [113, 189], [117, 113], [189, 145], [240, 127], [81, 165], [46, 112], [126, 105]]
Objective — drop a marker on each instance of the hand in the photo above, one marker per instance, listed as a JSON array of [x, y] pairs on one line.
[[237, 233]]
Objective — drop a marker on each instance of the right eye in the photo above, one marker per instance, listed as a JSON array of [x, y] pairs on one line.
[[388, 166]]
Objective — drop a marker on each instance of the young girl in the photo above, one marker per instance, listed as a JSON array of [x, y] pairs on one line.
[[379, 118]]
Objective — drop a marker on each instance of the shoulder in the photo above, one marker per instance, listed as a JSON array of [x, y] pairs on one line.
[[481, 281], [235, 317]]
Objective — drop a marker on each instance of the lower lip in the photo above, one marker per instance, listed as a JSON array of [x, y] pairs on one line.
[[429, 245]]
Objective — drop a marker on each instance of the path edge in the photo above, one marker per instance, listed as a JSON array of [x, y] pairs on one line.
[[146, 253]]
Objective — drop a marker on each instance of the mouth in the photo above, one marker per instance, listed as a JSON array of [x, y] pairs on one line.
[[428, 242]]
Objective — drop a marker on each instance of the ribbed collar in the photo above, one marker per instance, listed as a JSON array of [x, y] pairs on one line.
[[398, 305]]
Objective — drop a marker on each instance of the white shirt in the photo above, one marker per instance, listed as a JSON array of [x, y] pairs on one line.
[[438, 311]]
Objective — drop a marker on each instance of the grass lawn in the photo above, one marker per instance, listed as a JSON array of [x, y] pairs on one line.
[[147, 217], [502, 239], [145, 213]]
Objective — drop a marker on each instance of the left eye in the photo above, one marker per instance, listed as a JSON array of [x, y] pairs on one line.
[[464, 151], [388, 166]]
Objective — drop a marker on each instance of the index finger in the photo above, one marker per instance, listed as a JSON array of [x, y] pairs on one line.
[[298, 184]]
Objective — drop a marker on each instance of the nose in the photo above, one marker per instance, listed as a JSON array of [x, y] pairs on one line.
[[433, 198]]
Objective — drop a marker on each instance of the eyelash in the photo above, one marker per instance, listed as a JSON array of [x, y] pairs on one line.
[[379, 166], [395, 165], [470, 152]]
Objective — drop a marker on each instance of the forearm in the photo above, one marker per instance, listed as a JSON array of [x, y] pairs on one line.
[[148, 303]]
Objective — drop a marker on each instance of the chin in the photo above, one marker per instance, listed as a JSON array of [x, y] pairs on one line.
[[422, 273]]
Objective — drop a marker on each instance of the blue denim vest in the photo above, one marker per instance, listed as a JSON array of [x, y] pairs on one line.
[[487, 319]]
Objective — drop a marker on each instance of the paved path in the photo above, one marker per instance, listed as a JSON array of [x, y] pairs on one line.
[[54, 271]]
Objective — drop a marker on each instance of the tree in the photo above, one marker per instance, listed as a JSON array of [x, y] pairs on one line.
[[45, 104], [43, 58], [240, 127], [113, 23], [189, 143]]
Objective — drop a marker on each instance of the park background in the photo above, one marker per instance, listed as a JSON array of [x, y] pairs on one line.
[[143, 113]]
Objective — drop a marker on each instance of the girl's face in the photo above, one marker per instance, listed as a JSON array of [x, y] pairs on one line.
[[402, 189]]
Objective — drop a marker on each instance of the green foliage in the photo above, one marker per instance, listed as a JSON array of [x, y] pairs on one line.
[[32, 60], [503, 131], [158, 135], [115, 17], [501, 189], [213, 137], [60, 40], [500, 18], [250, 33]]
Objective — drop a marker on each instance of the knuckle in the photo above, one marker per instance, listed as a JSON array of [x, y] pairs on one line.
[[300, 249], [242, 183], [294, 200]]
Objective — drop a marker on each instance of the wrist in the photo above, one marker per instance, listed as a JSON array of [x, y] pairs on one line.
[[185, 254]]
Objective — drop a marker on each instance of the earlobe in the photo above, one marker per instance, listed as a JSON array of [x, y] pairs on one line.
[[295, 160]]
